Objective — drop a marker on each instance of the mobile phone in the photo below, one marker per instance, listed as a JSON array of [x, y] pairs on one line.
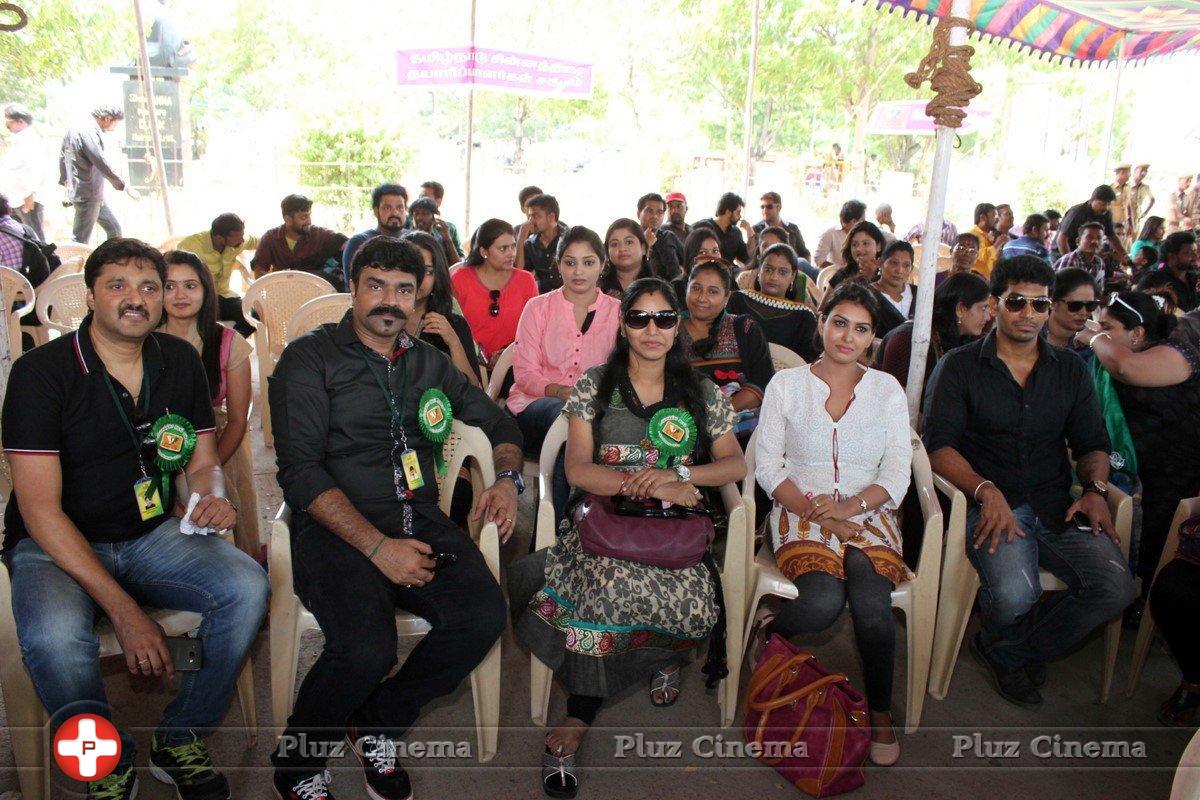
[[1081, 522], [187, 653], [443, 560]]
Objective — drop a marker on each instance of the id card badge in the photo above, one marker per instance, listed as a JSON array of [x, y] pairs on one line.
[[412, 470], [148, 499]]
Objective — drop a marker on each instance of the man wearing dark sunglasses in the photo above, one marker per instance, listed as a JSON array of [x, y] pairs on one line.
[[1000, 414]]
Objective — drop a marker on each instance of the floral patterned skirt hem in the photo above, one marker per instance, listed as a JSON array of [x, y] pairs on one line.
[[801, 548]]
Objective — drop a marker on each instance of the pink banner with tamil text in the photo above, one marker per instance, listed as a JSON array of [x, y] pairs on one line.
[[493, 69]]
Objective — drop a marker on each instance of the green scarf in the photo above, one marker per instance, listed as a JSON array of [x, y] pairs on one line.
[[1124, 457]]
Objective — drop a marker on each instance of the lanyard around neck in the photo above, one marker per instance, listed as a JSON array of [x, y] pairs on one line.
[[397, 409], [144, 402]]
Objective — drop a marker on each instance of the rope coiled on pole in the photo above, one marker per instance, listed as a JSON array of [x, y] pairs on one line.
[[947, 67], [22, 19]]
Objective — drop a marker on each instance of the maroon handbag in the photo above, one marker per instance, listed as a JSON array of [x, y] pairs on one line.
[[810, 725], [668, 542]]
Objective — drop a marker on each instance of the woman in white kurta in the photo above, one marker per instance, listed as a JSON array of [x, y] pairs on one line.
[[834, 453]]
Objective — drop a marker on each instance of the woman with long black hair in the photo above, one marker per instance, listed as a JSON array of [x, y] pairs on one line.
[[628, 257], [434, 319], [776, 301], [860, 254], [491, 290], [604, 623]]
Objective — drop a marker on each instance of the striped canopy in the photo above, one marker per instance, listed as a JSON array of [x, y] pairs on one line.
[[1088, 31]]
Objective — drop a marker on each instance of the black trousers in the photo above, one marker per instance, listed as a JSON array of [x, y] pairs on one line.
[[356, 607], [820, 602], [229, 309], [1175, 601]]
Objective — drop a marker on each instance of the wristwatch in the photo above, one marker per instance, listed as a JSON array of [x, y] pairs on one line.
[[1099, 487], [684, 473], [862, 503], [515, 476]]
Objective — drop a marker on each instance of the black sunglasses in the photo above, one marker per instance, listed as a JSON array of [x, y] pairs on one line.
[[494, 308], [663, 320], [1016, 303], [1075, 306]]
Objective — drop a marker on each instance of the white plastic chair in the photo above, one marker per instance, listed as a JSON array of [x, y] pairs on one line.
[[783, 357], [916, 598], [824, 277], [960, 582], [274, 298], [945, 260], [1188, 507], [70, 250], [68, 266], [62, 302], [500, 372], [1186, 785], [27, 720], [738, 545], [12, 285], [316, 312], [290, 619]]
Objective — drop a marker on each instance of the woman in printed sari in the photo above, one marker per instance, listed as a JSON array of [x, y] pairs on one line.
[[603, 623], [776, 303]]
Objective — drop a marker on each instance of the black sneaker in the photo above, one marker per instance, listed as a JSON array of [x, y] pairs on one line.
[[1013, 685], [120, 785], [189, 767], [385, 779], [295, 786], [1036, 673]]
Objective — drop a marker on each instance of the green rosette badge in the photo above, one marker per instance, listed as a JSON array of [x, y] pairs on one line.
[[435, 417], [672, 431], [174, 442]]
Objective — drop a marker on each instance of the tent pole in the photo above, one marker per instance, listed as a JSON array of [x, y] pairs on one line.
[[470, 128], [1110, 123], [152, 113], [923, 316], [748, 121]]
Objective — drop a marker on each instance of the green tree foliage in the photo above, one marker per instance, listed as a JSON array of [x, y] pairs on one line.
[[343, 161], [63, 38]]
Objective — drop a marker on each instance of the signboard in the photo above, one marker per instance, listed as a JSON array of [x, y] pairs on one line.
[[138, 146], [487, 68], [907, 117]]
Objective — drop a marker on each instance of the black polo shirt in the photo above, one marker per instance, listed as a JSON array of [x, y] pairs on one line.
[[1184, 290], [1016, 437], [59, 406], [333, 425], [1077, 216], [733, 247]]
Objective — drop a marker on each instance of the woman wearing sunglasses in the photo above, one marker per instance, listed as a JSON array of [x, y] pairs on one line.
[[1074, 297], [729, 349], [490, 290], [602, 623], [834, 451], [190, 312], [1164, 422], [562, 334]]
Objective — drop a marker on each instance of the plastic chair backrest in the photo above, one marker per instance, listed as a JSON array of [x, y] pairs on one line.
[[825, 276], [784, 358], [500, 372], [275, 297], [62, 302], [12, 284], [316, 312]]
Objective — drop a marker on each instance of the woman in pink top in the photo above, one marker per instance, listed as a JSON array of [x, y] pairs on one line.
[[562, 334], [491, 293]]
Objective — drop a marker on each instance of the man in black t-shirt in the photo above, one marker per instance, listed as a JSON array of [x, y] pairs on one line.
[[1096, 209], [95, 423], [726, 222], [1178, 271]]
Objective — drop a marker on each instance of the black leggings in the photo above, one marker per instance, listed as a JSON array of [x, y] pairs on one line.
[[1175, 602], [583, 707], [819, 604]]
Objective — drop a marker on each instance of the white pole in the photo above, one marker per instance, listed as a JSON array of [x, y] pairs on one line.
[[748, 120], [923, 316], [470, 130], [1112, 112], [152, 113]]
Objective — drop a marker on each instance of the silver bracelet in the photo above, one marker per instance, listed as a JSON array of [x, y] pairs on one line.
[[975, 494], [1092, 343]]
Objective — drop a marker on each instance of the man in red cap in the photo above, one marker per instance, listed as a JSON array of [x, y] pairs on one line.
[[676, 210]]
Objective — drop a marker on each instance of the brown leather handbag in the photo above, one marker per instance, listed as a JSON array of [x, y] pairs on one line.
[[810, 725]]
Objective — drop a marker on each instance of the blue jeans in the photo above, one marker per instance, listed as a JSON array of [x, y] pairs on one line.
[[1020, 626], [163, 569], [535, 421]]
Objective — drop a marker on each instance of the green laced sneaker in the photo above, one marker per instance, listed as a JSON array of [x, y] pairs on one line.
[[189, 767], [121, 785]]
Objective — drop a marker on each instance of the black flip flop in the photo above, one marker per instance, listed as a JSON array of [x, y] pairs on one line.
[[559, 778]]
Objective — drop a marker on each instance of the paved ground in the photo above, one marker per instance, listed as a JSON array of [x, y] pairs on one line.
[[942, 760]]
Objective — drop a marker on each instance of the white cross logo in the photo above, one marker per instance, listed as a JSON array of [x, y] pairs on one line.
[[87, 747]]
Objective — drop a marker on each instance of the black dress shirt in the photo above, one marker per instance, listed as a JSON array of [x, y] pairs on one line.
[[1184, 290], [1016, 437], [58, 405], [333, 425]]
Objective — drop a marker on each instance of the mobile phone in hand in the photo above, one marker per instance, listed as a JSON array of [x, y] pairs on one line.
[[186, 652], [1081, 522], [443, 560]]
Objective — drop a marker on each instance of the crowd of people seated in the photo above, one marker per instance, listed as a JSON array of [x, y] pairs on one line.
[[1058, 367]]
